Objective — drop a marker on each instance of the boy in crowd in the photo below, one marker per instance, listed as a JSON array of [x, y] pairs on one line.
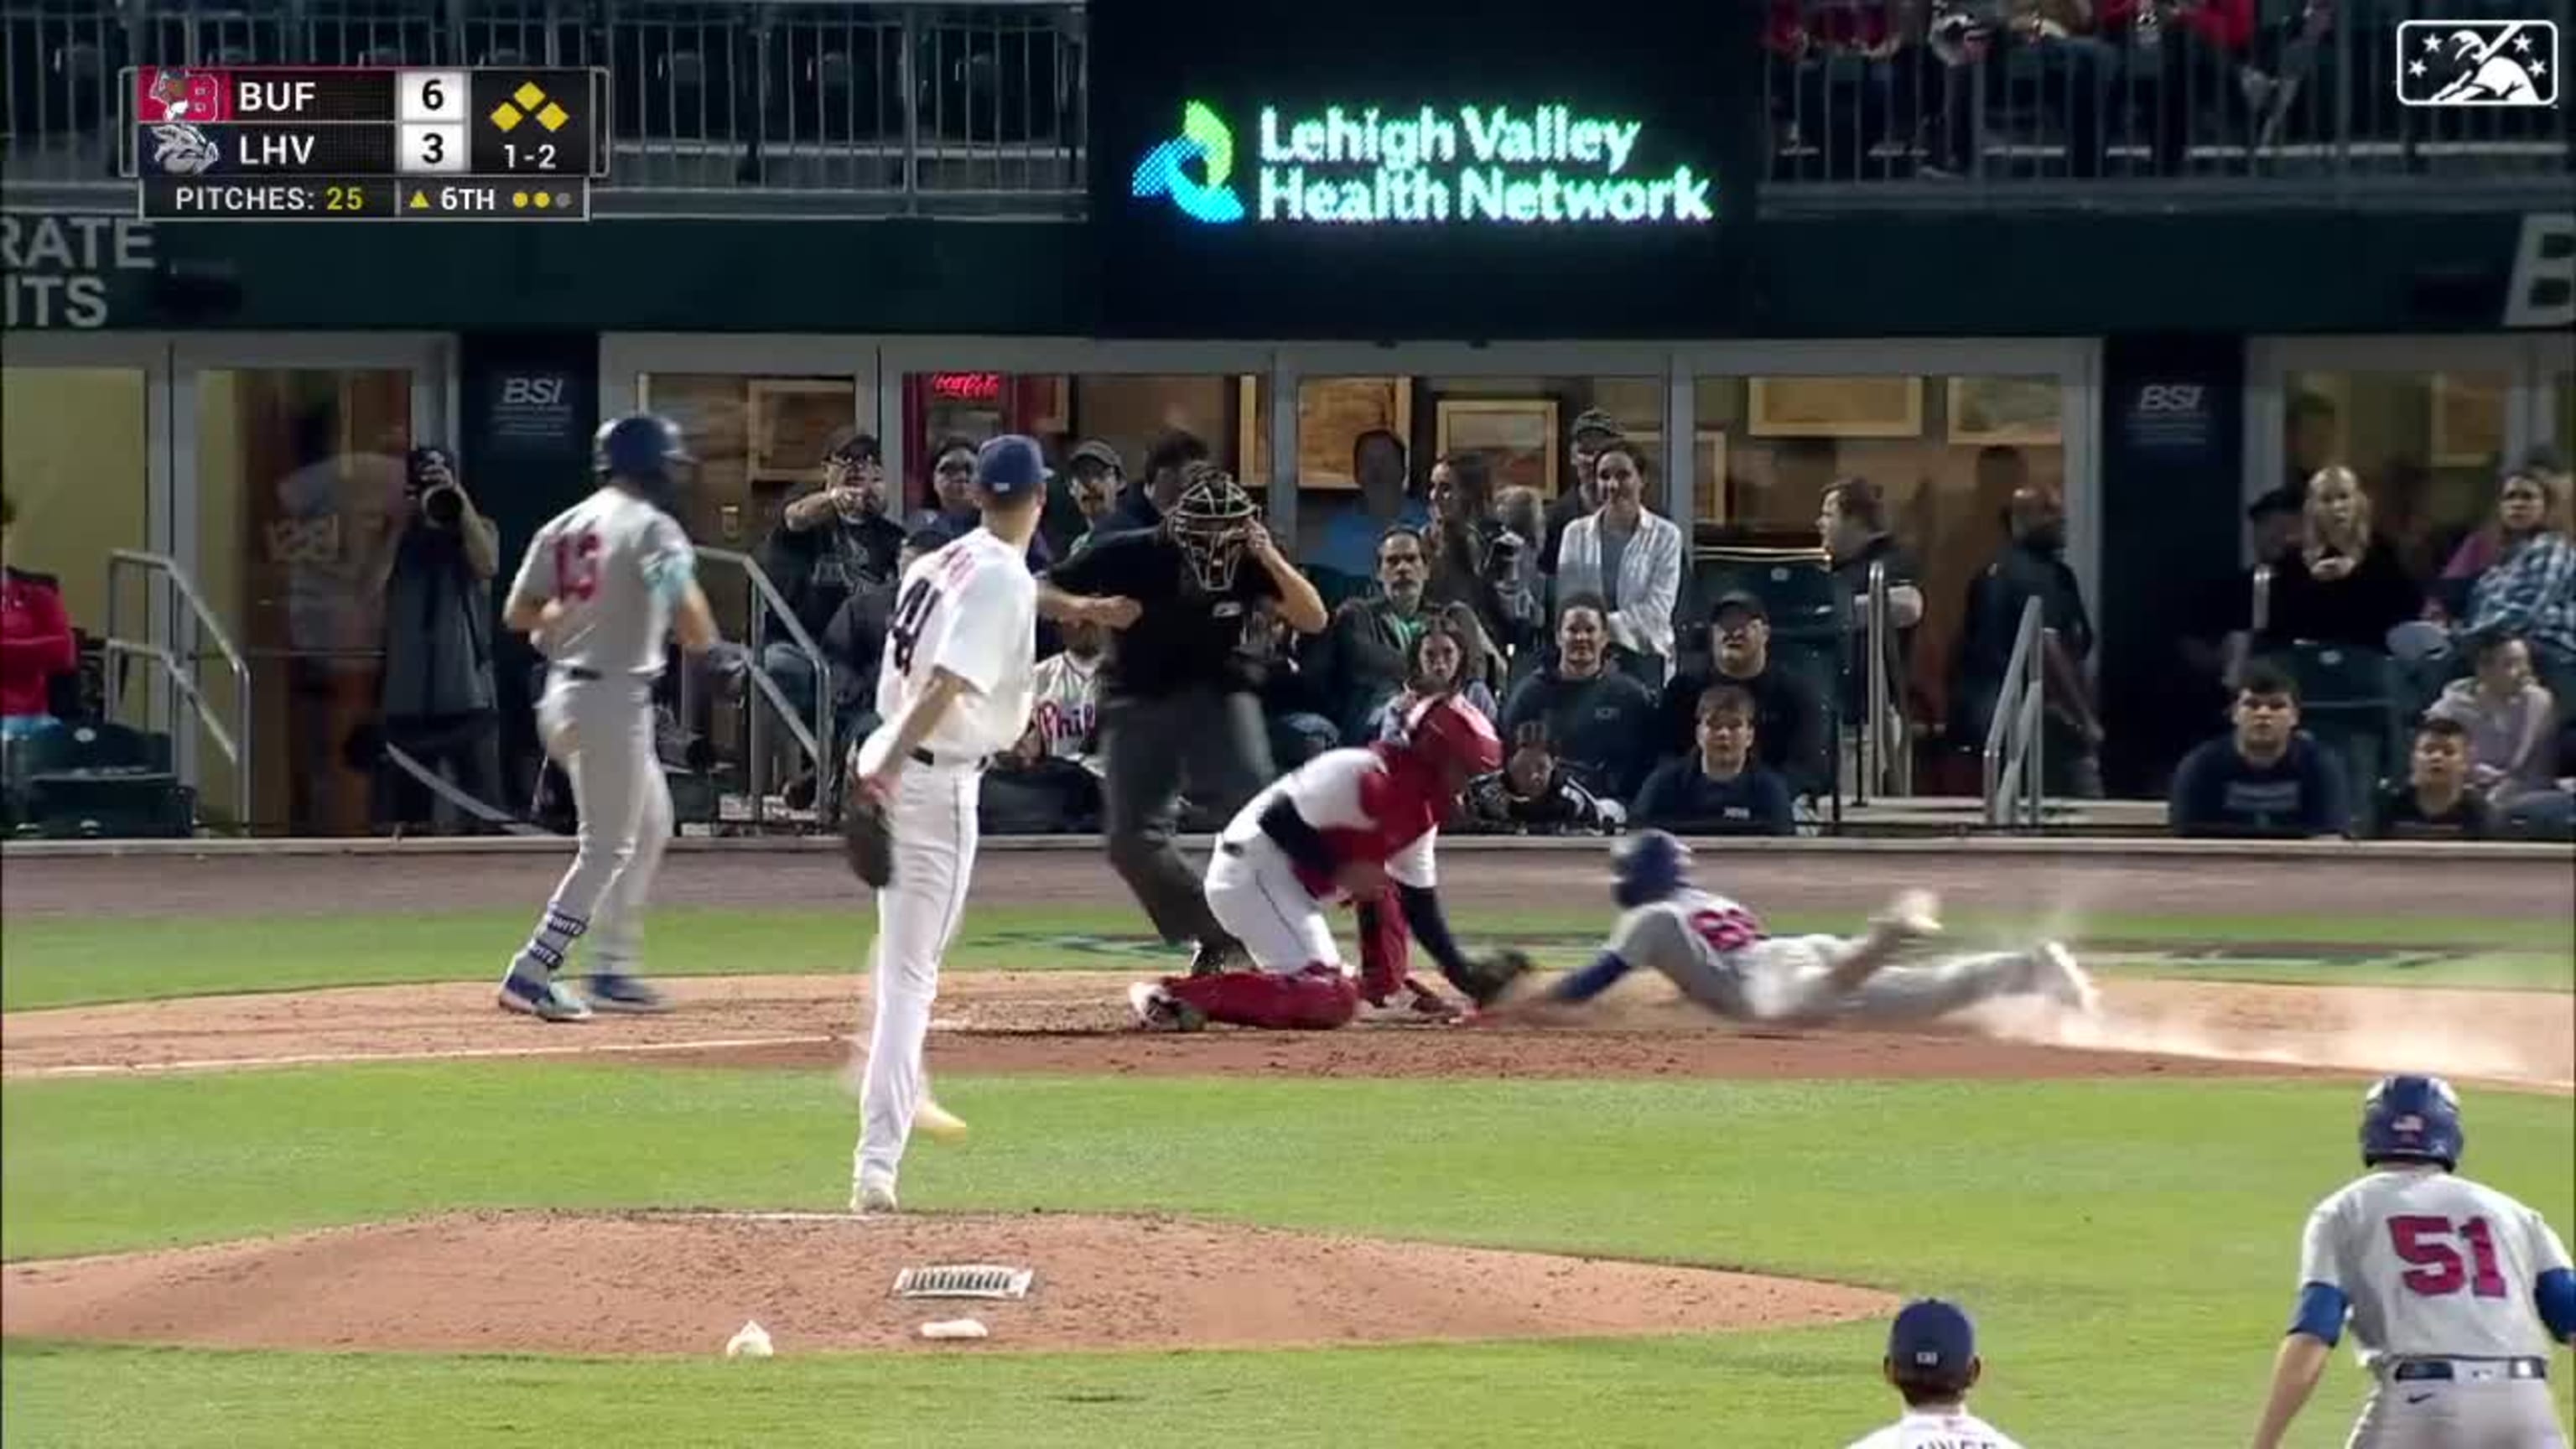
[[2436, 802], [1720, 788], [2265, 778]]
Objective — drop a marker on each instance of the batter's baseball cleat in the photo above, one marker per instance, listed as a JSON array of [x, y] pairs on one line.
[[1158, 1010], [937, 1122], [617, 991], [871, 1197], [541, 997], [1913, 914], [2064, 982]]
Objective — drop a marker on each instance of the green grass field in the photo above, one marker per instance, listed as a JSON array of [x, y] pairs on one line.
[[2128, 1246]]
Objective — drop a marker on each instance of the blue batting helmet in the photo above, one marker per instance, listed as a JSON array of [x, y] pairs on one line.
[[641, 446], [2411, 1119], [1646, 867]]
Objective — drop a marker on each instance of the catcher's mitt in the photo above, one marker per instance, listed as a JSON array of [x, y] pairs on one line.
[[867, 838], [1487, 977]]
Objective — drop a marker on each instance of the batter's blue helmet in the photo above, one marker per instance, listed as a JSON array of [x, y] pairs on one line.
[[2411, 1119], [642, 446], [1646, 867]]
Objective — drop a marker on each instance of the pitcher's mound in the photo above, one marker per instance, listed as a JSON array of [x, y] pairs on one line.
[[684, 1282]]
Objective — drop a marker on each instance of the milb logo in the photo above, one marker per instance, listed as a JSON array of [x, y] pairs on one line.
[[2477, 63], [1165, 170]]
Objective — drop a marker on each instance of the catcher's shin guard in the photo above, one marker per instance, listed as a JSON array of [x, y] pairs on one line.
[[1318, 998]]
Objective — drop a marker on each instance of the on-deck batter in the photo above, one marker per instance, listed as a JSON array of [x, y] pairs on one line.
[[2455, 1292], [953, 688], [1717, 953], [602, 583]]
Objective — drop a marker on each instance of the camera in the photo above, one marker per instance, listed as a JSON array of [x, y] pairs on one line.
[[442, 504], [1504, 555]]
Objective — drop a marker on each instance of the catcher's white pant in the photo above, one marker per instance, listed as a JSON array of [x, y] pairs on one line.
[[600, 730], [1254, 893], [932, 816], [2481, 1406]]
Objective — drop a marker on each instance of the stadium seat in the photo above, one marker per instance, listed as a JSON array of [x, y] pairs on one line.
[[96, 781]]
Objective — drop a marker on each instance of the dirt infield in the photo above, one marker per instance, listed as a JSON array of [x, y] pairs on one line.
[[1075, 1023], [667, 1283]]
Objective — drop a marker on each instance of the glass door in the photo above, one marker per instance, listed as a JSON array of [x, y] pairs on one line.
[[298, 444], [85, 467]]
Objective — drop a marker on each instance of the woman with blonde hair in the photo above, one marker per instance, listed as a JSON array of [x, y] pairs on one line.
[[2344, 586]]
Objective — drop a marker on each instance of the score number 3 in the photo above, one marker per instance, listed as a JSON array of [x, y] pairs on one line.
[[2435, 1269]]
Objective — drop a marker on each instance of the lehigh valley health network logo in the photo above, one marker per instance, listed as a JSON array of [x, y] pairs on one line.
[[2477, 62], [1205, 143]]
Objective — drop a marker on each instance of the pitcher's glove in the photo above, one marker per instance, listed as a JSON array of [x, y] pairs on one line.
[[867, 837], [1487, 977]]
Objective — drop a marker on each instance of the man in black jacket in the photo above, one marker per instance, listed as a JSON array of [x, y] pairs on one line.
[[1790, 725], [2031, 566], [1359, 664], [1178, 702]]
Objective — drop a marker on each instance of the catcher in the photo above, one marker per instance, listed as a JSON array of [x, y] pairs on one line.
[[1718, 954], [1350, 824]]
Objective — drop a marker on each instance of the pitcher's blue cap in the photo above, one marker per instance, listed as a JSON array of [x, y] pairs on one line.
[[1010, 466], [1931, 1339]]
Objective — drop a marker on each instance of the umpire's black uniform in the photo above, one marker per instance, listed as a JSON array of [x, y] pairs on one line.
[[1177, 706]]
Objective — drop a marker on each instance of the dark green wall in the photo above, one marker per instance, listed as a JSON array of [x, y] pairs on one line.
[[2055, 275]]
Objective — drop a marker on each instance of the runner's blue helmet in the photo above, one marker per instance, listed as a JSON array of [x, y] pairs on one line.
[[2411, 1119], [1646, 867]]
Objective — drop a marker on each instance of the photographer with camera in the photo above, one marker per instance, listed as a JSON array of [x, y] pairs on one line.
[[434, 571]]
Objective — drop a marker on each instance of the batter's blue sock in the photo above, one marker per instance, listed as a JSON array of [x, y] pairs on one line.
[[552, 943]]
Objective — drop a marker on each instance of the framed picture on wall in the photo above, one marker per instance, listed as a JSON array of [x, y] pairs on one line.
[[1332, 413], [1836, 407], [2468, 422], [2021, 411], [1708, 470], [1517, 436], [786, 422]]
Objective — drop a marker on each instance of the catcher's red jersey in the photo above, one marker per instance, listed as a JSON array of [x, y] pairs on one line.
[[1382, 809], [175, 93]]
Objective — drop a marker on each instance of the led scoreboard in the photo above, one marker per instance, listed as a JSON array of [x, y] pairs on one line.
[[275, 143]]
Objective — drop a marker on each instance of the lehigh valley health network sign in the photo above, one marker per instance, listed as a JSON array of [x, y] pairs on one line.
[[1499, 165]]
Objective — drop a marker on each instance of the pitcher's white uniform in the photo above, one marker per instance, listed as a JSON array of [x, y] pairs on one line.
[[1715, 951], [969, 608], [1929, 1429], [614, 564], [2439, 1273]]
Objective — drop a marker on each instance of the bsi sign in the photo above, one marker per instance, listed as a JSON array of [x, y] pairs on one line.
[[2542, 292], [57, 270]]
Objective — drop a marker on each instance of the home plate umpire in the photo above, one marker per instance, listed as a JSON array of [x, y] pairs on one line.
[[1177, 707]]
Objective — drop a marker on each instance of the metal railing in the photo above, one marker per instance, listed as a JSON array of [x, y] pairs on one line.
[[816, 742], [2033, 99], [2013, 751], [182, 671], [2259, 616], [806, 106], [1887, 750]]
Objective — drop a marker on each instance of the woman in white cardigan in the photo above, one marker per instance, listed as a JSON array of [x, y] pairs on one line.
[[1630, 557]]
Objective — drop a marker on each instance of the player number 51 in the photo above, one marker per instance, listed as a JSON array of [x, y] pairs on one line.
[[2434, 1268]]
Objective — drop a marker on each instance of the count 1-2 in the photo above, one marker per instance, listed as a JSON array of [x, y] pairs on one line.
[[280, 97], [536, 158]]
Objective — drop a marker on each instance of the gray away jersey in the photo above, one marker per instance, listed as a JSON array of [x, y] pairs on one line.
[[970, 608], [1688, 936], [2434, 1265], [615, 563]]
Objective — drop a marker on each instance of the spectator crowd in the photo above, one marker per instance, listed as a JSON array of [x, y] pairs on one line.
[[2378, 683]]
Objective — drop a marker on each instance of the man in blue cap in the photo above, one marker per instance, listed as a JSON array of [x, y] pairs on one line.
[[954, 688], [1932, 1361]]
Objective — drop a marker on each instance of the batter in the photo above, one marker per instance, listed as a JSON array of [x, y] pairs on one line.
[[2455, 1292], [602, 584], [1717, 953], [954, 687]]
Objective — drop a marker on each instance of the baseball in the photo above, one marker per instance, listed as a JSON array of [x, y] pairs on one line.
[[751, 1342]]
